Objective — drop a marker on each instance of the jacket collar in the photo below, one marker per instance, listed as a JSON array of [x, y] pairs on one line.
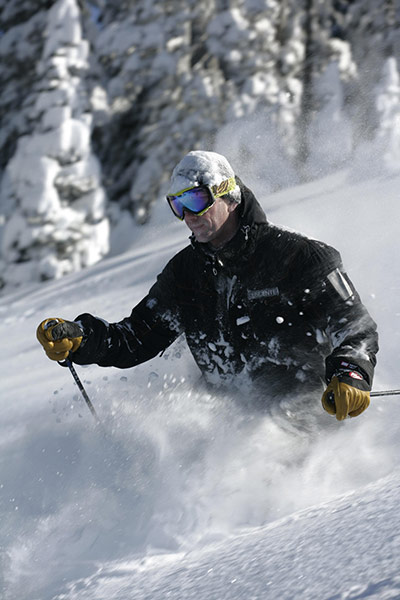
[[250, 210], [251, 215]]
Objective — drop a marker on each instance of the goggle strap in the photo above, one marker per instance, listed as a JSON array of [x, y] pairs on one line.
[[226, 186]]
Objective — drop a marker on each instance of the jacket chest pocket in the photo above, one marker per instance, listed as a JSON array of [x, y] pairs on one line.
[[272, 311]]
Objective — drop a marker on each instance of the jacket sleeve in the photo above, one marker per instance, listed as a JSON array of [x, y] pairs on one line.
[[151, 327], [336, 309]]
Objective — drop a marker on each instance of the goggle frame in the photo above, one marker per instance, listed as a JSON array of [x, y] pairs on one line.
[[213, 192]]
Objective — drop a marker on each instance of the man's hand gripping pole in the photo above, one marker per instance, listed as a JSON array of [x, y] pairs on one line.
[[68, 363]]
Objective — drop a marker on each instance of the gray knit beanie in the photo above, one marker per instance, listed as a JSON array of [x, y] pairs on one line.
[[202, 168]]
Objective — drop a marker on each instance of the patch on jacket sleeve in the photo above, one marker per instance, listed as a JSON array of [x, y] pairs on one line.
[[340, 284], [265, 293]]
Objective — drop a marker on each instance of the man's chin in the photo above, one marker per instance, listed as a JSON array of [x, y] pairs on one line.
[[201, 237]]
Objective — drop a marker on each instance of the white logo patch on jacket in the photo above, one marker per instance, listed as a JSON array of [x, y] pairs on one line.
[[265, 293]]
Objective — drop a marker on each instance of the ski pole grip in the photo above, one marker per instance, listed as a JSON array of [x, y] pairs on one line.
[[61, 329], [49, 324]]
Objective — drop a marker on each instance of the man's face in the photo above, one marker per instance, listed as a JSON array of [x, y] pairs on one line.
[[216, 226]]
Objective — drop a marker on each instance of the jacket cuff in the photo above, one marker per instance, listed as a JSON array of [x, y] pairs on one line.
[[357, 374]]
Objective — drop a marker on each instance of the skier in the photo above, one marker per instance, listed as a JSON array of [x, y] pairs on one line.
[[257, 303]]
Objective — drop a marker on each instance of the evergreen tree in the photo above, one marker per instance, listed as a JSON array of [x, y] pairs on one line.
[[387, 141], [329, 135], [138, 83], [56, 220], [164, 94]]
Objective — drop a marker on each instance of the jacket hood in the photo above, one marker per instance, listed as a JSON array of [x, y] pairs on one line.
[[250, 210]]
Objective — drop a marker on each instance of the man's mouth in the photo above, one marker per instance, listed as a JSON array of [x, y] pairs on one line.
[[197, 228]]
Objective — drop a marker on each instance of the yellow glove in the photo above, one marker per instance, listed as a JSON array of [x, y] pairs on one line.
[[344, 400], [59, 337]]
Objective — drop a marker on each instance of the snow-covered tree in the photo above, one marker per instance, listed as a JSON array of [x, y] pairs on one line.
[[55, 222], [258, 60], [373, 28], [21, 44], [382, 153], [388, 108], [330, 139], [324, 44], [138, 83], [163, 90], [177, 73]]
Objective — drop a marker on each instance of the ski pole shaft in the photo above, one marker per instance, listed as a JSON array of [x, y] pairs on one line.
[[51, 323], [386, 393], [79, 383]]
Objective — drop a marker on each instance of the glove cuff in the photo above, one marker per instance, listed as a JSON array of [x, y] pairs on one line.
[[351, 374], [361, 385]]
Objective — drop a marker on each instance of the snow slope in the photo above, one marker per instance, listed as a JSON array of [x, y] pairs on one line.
[[183, 494], [316, 553]]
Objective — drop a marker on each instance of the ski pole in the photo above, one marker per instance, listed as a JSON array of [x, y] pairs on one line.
[[68, 363], [331, 396], [386, 393]]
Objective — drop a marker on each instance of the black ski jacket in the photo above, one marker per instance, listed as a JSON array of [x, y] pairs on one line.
[[273, 307]]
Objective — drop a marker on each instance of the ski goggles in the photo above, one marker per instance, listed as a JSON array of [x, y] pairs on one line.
[[199, 199]]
